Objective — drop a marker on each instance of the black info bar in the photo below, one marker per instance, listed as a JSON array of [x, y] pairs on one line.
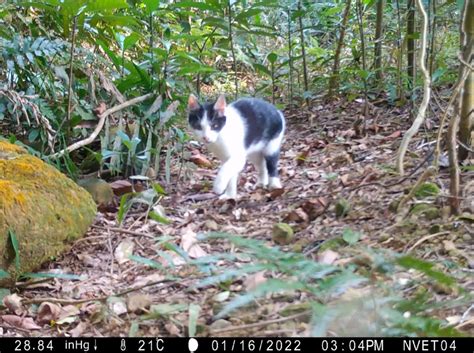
[[235, 344]]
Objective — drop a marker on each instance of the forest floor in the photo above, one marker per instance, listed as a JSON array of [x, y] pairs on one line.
[[340, 192]]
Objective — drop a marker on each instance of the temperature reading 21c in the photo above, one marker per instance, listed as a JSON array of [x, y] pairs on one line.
[[152, 345]]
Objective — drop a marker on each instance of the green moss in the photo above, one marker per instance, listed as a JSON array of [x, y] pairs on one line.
[[44, 208]]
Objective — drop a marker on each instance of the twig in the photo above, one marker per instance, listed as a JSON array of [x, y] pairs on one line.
[[102, 298], [426, 94], [100, 125], [261, 323], [425, 238], [121, 230]]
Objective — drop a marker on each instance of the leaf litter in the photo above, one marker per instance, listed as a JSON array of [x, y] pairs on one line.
[[143, 277]]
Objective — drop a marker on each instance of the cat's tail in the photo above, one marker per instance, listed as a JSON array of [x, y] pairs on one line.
[[283, 122]]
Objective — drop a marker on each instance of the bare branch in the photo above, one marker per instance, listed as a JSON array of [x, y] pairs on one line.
[[100, 125]]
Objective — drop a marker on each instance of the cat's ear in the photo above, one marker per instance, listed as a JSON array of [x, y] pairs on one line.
[[193, 103], [220, 105]]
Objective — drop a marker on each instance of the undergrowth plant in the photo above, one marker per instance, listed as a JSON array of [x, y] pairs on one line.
[[359, 298]]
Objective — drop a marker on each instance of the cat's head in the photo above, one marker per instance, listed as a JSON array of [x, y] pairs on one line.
[[208, 119]]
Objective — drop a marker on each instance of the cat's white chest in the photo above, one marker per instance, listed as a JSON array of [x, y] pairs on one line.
[[220, 149]]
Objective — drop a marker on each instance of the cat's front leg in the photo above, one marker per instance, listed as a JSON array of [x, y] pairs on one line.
[[228, 175], [231, 190]]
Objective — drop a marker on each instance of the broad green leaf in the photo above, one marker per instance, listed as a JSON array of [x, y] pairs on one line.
[[350, 236], [247, 14], [4, 274], [106, 5], [159, 189], [427, 190], [130, 40], [114, 20], [159, 218], [262, 69], [272, 57], [151, 5], [297, 13], [196, 5]]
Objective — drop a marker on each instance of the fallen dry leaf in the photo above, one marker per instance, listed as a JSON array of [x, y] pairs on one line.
[[123, 251], [48, 312], [314, 207], [138, 302], [252, 281], [172, 329], [189, 244], [26, 323], [201, 161], [153, 278], [69, 310], [275, 193], [298, 215], [328, 257], [100, 108], [449, 245], [13, 303], [78, 330], [394, 135]]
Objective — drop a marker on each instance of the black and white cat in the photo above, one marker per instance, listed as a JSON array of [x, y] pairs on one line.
[[247, 129]]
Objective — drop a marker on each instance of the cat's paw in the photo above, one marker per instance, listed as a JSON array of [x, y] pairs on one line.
[[227, 197], [274, 183]]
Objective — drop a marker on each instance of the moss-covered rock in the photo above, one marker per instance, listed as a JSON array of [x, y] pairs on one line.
[[40, 208]]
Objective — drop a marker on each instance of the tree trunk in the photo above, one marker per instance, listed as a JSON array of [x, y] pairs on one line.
[[433, 38], [334, 80], [411, 57], [290, 59], [378, 42], [303, 53], [466, 125], [360, 20], [231, 41]]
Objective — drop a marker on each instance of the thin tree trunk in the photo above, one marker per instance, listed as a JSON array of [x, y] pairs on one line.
[[290, 59], [303, 53], [334, 80], [466, 125], [360, 20], [69, 89], [400, 91], [433, 38], [150, 43], [378, 42], [411, 57], [231, 41]]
